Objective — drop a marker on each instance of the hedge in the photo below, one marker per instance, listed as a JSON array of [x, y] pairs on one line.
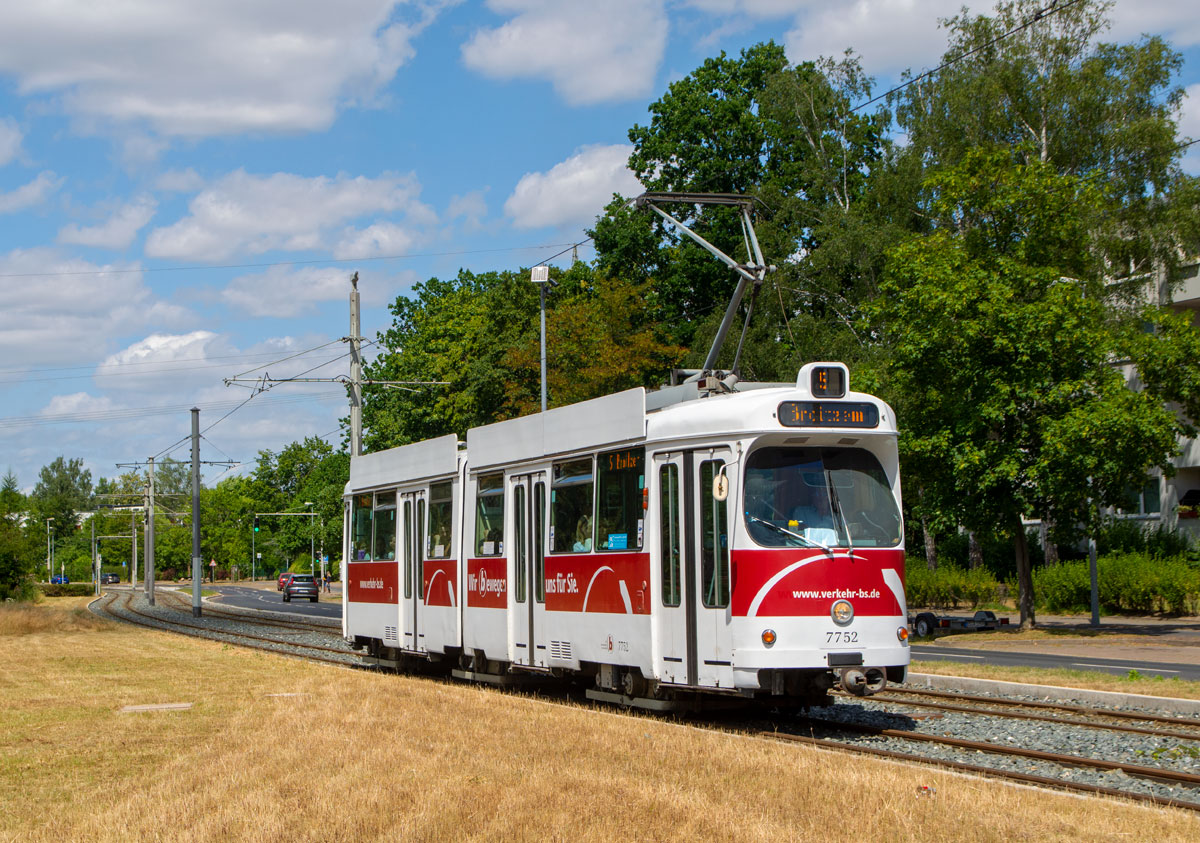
[[1128, 582]]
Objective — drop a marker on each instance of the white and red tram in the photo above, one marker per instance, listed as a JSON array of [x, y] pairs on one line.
[[709, 538]]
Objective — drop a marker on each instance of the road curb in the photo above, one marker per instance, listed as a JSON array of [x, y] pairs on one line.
[[1175, 705]]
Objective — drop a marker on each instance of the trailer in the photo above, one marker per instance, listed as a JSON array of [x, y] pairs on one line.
[[926, 623]]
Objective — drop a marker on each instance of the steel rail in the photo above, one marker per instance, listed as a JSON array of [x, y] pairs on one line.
[[1044, 718], [1152, 773], [1007, 775], [248, 615], [1078, 709], [210, 633]]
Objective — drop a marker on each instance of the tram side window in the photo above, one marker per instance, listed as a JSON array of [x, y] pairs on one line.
[[385, 526], [571, 507], [622, 477], [360, 528], [714, 540], [669, 533], [489, 515], [441, 519]]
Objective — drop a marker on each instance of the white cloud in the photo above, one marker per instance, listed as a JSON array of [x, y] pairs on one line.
[[10, 140], [115, 233], [471, 207], [382, 238], [285, 293], [1189, 127], [161, 348], [591, 52], [217, 67], [29, 195], [573, 192], [890, 35], [1168, 18], [55, 308], [179, 181], [75, 403], [249, 214]]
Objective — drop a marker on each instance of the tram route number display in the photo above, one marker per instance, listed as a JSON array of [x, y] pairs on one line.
[[828, 414]]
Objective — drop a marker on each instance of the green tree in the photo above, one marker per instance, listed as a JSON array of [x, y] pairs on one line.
[[63, 490], [1001, 336], [1058, 95], [12, 502]]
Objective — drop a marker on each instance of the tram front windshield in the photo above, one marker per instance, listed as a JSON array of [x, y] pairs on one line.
[[819, 497]]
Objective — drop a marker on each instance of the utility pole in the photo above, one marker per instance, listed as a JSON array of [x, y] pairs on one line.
[[540, 275], [355, 372], [49, 569], [196, 570], [95, 561], [149, 566], [133, 558]]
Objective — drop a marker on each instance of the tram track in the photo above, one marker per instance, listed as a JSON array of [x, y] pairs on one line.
[[254, 616], [1173, 788], [891, 697], [128, 614]]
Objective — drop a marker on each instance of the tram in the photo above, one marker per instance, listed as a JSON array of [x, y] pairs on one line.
[[663, 548]]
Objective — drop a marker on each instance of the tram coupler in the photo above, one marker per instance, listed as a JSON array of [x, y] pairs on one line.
[[862, 682]]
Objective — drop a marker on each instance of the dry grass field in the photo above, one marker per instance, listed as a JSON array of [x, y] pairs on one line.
[[277, 749]]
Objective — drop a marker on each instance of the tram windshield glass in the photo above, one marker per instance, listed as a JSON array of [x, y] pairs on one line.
[[819, 497]]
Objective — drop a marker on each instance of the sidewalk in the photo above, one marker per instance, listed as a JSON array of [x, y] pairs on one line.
[[1122, 637]]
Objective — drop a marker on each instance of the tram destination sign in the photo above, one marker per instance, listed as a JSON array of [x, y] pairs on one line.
[[828, 414]]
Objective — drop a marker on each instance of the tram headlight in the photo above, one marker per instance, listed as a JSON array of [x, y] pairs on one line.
[[841, 612], [768, 638]]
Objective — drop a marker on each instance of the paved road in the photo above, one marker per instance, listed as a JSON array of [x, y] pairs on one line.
[[1146, 667], [270, 599]]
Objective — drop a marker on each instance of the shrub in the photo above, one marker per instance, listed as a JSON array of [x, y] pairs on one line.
[[23, 592], [74, 589], [1128, 582], [949, 586]]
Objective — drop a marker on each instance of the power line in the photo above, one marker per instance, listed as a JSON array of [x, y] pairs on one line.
[[1038, 15], [266, 265]]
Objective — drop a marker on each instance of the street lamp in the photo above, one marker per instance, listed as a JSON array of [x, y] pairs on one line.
[[540, 275], [312, 562], [49, 570]]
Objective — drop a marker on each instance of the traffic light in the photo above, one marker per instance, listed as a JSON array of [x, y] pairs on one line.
[[256, 523]]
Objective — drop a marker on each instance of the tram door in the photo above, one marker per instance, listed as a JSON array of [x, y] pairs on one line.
[[412, 551], [529, 582], [694, 543]]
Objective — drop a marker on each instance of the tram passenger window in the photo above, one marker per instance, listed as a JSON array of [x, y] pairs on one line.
[[571, 507], [420, 546], [539, 550], [520, 539], [407, 547], [489, 515], [360, 528], [669, 534], [714, 540], [385, 526], [622, 479], [441, 519]]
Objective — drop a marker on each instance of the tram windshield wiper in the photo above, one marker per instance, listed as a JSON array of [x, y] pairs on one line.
[[837, 507], [787, 532]]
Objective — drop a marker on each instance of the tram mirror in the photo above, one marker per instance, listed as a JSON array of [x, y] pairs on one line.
[[720, 487]]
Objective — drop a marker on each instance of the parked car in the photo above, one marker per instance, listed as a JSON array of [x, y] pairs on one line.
[[301, 585], [109, 579], [282, 579], [59, 580]]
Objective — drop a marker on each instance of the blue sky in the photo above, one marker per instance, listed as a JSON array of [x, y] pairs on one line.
[[185, 188]]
